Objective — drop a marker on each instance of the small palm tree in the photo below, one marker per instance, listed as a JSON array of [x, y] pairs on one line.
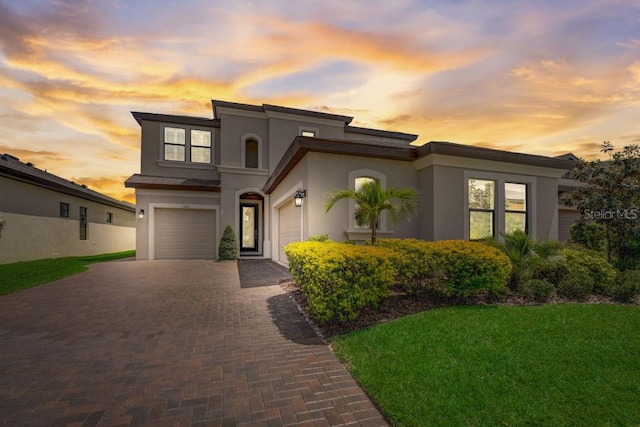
[[372, 200]]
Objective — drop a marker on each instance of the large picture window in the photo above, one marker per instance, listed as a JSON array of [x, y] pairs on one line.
[[482, 196], [515, 209]]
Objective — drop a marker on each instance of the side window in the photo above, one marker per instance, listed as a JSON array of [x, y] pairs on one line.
[[109, 217], [64, 210], [359, 183], [174, 144], [482, 194], [515, 207], [251, 154], [83, 223]]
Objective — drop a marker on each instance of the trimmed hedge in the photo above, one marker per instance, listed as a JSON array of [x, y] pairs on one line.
[[469, 267], [601, 272], [340, 280]]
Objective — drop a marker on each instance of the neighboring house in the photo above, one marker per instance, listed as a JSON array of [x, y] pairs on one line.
[[45, 216], [244, 167]]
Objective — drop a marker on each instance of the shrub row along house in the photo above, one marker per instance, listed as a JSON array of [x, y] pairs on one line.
[[266, 171], [45, 216]]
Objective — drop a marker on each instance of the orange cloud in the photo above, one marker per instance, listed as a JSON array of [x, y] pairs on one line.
[[112, 186]]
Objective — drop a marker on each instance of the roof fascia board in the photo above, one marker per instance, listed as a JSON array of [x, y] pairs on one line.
[[304, 118], [486, 165], [239, 112], [381, 133]]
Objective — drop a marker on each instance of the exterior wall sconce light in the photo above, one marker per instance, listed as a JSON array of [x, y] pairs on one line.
[[297, 198], [141, 214]]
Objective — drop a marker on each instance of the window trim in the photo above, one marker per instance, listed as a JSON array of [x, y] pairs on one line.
[[500, 179]]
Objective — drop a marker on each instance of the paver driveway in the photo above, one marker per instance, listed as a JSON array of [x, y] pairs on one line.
[[167, 343]]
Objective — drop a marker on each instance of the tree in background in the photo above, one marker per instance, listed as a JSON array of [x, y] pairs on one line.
[[372, 200], [611, 198]]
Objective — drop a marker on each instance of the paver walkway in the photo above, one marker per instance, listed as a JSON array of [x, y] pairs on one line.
[[172, 343]]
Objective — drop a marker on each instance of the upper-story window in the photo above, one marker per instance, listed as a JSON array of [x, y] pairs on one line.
[[308, 131], [180, 145], [251, 153]]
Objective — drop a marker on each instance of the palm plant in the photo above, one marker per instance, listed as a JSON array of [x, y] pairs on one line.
[[372, 200], [525, 254]]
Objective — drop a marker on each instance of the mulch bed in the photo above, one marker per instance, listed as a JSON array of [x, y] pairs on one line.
[[399, 304]]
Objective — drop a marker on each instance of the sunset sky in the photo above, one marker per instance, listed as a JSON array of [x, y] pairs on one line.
[[544, 77]]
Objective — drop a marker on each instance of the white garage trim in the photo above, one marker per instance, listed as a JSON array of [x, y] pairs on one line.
[[152, 220], [275, 221]]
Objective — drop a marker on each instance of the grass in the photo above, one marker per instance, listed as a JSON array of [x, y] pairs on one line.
[[554, 365], [27, 274]]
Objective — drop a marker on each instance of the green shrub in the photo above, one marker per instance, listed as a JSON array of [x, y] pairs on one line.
[[626, 287], [590, 234], [339, 280], [319, 238], [470, 266], [538, 290], [602, 273], [577, 283], [228, 249], [413, 263], [551, 270]]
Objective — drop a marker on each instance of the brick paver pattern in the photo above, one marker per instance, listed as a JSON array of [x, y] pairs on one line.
[[168, 343]]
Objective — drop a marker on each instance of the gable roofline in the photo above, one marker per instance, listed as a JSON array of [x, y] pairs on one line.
[[409, 137], [475, 152], [170, 118], [11, 167], [264, 108]]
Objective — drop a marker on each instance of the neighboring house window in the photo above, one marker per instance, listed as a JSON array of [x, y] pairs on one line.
[[83, 223], [515, 201], [251, 153], [64, 210], [482, 195], [174, 144], [109, 217], [200, 146]]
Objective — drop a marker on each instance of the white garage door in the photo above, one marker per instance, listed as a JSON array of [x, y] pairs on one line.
[[289, 227], [185, 234]]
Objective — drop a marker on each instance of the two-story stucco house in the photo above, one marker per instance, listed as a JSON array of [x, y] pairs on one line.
[[244, 167]]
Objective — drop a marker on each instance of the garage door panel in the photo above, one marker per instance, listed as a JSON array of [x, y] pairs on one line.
[[185, 234], [289, 228]]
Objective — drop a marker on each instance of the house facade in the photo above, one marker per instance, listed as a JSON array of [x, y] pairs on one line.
[[244, 167], [45, 216]]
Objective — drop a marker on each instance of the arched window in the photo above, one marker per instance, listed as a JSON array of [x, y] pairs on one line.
[[357, 179], [251, 153]]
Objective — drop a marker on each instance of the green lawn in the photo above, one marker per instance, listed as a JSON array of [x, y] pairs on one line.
[[554, 365], [23, 275]]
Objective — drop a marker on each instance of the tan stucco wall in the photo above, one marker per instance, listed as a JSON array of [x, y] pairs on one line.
[[187, 199], [233, 129], [28, 237], [329, 171]]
